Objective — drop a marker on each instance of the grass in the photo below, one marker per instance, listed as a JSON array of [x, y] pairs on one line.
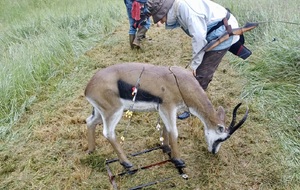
[[58, 45], [274, 76], [39, 39]]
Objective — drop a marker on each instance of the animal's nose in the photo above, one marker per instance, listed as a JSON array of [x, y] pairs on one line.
[[214, 150]]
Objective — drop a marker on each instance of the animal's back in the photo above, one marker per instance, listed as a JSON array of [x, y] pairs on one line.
[[157, 83], [147, 74]]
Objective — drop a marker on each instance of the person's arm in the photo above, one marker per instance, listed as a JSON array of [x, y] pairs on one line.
[[197, 28]]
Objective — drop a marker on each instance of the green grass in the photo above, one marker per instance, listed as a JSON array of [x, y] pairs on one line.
[[273, 74], [38, 41], [274, 88]]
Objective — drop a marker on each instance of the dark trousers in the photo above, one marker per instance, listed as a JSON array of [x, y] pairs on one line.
[[210, 63]]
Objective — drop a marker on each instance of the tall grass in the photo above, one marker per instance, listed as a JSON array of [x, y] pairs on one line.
[[38, 38], [273, 73]]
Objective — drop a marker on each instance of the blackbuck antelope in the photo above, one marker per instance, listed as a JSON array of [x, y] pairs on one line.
[[160, 88]]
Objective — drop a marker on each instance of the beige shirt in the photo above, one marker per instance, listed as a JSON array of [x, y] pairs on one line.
[[194, 16]]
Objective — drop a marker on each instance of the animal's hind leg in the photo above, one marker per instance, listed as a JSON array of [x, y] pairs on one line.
[[109, 124], [92, 121]]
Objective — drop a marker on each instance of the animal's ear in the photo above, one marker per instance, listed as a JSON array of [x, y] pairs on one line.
[[221, 113]]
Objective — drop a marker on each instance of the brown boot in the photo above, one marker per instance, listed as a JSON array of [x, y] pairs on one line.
[[131, 39], [139, 36]]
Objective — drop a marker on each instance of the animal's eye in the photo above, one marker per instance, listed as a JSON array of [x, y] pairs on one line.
[[221, 128]]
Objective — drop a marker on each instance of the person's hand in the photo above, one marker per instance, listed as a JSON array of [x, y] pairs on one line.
[[194, 73], [159, 24]]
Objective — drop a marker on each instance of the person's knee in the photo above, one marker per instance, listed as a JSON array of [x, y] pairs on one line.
[[203, 81]]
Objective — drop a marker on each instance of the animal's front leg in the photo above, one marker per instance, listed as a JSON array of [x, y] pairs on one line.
[[166, 146], [168, 116], [175, 156]]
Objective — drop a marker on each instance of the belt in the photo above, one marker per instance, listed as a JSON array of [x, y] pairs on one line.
[[224, 22]]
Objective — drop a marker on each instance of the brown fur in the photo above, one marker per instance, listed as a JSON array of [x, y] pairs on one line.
[[176, 86]]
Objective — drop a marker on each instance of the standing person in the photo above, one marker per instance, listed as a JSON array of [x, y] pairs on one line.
[[203, 21], [137, 28]]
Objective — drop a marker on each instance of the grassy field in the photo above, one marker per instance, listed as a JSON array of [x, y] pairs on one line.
[[39, 39], [49, 51], [273, 74]]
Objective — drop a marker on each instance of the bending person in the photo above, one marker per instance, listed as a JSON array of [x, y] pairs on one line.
[[203, 21]]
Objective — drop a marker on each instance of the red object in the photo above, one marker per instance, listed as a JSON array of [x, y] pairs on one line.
[[133, 91], [136, 11]]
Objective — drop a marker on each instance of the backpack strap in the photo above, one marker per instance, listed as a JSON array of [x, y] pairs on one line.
[[224, 22]]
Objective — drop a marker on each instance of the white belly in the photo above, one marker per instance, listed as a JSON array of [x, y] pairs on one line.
[[139, 106]]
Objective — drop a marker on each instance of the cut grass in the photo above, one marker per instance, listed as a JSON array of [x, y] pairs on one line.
[[45, 148], [59, 132]]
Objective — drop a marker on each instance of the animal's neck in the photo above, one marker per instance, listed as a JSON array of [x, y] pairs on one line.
[[196, 100], [194, 96], [205, 113]]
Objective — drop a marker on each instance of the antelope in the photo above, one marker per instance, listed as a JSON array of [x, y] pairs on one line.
[[160, 88]]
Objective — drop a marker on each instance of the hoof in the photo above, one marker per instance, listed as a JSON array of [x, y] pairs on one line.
[[178, 163], [90, 152], [126, 165]]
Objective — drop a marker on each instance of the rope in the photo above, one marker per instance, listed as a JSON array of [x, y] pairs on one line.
[[129, 111]]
